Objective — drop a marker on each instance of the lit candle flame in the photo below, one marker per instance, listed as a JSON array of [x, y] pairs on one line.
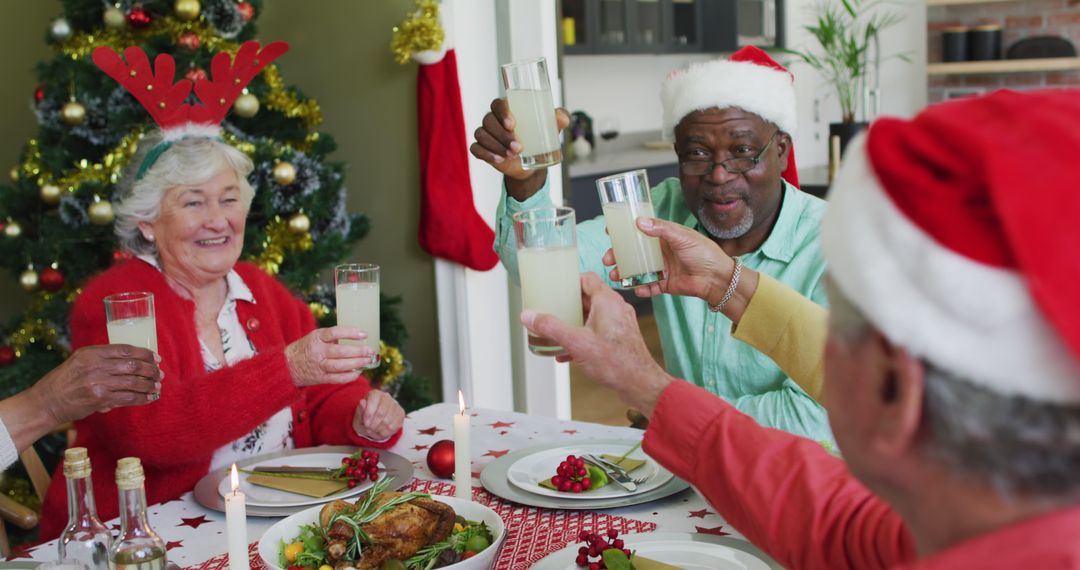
[[461, 402], [235, 479]]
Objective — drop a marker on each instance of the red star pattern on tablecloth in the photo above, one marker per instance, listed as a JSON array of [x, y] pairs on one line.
[[116, 526], [498, 425], [569, 431], [429, 431], [716, 530], [195, 522], [496, 453], [700, 514], [419, 447], [173, 544]]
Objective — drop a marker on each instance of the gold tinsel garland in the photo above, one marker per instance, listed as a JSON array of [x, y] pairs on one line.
[[420, 31], [280, 239]]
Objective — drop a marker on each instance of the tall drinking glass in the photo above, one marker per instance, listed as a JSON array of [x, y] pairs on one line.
[[357, 288], [129, 318], [529, 93], [548, 266], [625, 198]]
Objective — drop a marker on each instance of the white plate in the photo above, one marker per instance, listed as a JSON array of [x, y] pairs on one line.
[[289, 528], [687, 551], [527, 473], [259, 496]]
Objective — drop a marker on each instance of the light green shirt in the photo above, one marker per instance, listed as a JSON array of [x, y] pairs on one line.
[[697, 342]]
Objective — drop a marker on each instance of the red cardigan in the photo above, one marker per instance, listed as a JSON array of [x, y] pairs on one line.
[[199, 412]]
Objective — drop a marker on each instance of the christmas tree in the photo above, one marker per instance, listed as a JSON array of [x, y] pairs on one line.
[[57, 215]]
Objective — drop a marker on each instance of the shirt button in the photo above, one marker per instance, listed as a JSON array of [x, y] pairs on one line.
[[253, 324], [711, 328], [300, 416]]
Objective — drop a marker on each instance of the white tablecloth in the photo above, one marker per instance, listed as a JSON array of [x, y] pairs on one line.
[[195, 534]]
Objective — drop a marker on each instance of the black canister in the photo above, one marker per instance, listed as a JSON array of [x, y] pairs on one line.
[[984, 42], [955, 42]]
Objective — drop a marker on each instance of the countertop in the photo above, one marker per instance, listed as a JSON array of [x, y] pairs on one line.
[[627, 152]]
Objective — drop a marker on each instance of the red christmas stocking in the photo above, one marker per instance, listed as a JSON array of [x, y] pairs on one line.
[[450, 226]]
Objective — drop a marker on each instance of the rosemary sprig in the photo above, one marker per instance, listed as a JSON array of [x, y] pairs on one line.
[[627, 454], [366, 514]]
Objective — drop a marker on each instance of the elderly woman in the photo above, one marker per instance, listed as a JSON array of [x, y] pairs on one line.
[[246, 371]]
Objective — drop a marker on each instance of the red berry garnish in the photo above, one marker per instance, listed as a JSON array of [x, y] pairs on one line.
[[617, 543], [594, 566], [586, 483], [374, 477], [582, 535], [351, 483]]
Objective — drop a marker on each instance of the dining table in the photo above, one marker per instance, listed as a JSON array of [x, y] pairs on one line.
[[196, 538]]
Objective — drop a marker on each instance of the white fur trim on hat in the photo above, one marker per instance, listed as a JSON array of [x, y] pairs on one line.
[[191, 130], [973, 320], [765, 92]]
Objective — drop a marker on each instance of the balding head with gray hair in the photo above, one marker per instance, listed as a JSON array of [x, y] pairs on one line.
[[188, 161]]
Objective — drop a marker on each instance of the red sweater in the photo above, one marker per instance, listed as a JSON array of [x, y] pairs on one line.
[[791, 498], [199, 412]]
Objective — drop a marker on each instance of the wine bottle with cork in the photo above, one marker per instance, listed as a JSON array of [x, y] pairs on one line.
[[138, 547], [85, 540]]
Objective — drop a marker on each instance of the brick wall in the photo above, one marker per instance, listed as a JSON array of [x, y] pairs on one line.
[[1019, 19]]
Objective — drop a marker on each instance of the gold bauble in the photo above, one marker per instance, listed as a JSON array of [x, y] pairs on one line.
[[101, 213], [74, 113], [114, 18], [50, 194], [246, 105], [29, 280], [187, 9], [299, 223], [12, 230], [284, 173], [14, 173]]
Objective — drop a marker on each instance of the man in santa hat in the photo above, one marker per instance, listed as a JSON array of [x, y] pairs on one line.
[[952, 365], [731, 122]]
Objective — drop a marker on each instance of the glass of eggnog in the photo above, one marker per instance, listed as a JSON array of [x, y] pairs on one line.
[[548, 267], [129, 318], [357, 288], [625, 198]]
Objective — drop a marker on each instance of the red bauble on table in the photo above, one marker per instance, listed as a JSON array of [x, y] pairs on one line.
[[138, 18], [39, 93], [189, 40], [7, 355], [247, 11], [51, 279], [440, 459]]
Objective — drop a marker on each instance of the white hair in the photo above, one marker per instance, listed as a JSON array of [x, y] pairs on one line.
[[187, 161], [1017, 444]]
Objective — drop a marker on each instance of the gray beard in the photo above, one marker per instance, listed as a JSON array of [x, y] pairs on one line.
[[736, 231]]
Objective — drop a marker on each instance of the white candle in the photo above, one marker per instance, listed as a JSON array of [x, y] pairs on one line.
[[462, 465], [236, 525]]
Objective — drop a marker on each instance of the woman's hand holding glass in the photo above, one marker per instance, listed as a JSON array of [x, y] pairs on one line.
[[694, 266], [317, 358], [378, 416]]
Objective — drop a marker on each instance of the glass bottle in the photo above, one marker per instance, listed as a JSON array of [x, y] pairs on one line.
[[85, 540], [138, 547]]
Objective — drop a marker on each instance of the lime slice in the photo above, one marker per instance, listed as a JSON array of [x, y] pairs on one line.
[[597, 477]]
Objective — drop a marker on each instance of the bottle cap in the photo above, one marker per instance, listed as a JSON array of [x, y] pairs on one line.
[[129, 473], [76, 463]]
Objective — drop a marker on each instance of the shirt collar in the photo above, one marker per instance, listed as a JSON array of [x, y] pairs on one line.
[[780, 245], [237, 290]]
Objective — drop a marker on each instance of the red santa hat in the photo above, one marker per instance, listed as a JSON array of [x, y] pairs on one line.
[[957, 234], [749, 80]]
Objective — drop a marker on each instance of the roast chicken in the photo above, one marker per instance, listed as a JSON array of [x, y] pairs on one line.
[[396, 534]]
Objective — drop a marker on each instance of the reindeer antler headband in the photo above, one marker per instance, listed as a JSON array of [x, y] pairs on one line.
[[164, 100]]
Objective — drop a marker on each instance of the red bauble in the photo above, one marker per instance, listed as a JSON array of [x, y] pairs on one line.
[[120, 255], [7, 355], [440, 459], [189, 40], [138, 18], [51, 279], [195, 74], [247, 11], [39, 93]]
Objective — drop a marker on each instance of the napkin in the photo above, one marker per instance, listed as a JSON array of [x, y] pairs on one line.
[[642, 563], [311, 487], [628, 464]]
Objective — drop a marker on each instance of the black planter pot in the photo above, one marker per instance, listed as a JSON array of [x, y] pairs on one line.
[[846, 132]]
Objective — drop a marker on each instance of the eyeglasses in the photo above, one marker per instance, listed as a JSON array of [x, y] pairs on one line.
[[733, 165]]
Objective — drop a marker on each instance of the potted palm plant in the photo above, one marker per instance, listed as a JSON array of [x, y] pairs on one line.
[[848, 56]]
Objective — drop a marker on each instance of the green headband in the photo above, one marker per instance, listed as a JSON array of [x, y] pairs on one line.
[[156, 152]]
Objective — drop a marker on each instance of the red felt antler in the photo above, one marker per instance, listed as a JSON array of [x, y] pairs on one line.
[[227, 81], [154, 89], [164, 100]]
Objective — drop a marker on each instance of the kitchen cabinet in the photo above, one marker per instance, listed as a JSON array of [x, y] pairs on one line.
[[669, 26]]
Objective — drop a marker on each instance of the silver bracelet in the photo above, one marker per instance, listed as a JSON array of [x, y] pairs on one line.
[[731, 288]]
